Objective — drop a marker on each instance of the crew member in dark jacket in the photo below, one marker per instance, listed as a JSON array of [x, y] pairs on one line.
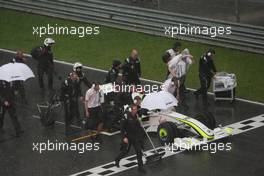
[[207, 70], [132, 135], [132, 69], [77, 67], [7, 104], [70, 92], [112, 74], [44, 56]]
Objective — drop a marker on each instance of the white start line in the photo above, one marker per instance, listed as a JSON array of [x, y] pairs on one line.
[[131, 161]]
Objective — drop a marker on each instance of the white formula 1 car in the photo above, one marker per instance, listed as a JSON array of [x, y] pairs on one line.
[[172, 126]]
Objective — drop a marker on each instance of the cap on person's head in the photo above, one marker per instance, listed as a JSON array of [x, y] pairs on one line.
[[176, 45], [49, 41], [210, 52], [166, 57], [116, 63]]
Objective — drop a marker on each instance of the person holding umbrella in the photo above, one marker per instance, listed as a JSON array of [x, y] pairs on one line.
[[19, 57], [44, 56], [7, 104], [15, 74], [19, 85]]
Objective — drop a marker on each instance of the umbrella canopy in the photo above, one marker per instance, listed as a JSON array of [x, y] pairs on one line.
[[15, 72], [159, 100]]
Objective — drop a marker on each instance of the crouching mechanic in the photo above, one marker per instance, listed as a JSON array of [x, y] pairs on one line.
[[132, 135], [70, 92]]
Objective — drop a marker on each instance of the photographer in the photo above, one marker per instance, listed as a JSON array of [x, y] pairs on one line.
[[44, 56], [70, 92]]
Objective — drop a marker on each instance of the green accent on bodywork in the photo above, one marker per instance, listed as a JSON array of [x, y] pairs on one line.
[[196, 128], [163, 133], [229, 130]]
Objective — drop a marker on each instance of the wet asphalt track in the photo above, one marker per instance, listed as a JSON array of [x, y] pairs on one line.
[[18, 159]]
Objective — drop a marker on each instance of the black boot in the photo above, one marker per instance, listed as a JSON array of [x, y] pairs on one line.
[[117, 163]]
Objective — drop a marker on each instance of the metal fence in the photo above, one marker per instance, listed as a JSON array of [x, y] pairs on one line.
[[243, 37]]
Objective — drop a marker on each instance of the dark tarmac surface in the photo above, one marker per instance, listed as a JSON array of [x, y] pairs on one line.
[[246, 11], [17, 157]]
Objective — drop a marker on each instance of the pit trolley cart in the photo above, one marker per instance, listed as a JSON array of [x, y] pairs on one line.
[[224, 85], [46, 110]]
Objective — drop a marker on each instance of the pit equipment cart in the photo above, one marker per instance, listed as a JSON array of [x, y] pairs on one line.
[[224, 86]]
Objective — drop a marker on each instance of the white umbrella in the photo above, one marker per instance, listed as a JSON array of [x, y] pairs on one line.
[[15, 72], [159, 100]]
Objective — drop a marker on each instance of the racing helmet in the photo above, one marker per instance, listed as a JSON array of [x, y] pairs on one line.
[[49, 41], [77, 65]]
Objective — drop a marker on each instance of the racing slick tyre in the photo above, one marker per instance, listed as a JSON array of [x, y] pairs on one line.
[[207, 119], [167, 131], [212, 120]]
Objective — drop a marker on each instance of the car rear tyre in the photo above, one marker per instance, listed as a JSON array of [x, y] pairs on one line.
[[207, 119]]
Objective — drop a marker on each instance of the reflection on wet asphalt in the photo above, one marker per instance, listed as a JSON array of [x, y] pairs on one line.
[[17, 157]]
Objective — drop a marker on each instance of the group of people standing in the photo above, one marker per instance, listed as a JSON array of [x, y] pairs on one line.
[[177, 62]]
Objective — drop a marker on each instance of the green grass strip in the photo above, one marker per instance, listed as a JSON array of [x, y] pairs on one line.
[[99, 51]]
